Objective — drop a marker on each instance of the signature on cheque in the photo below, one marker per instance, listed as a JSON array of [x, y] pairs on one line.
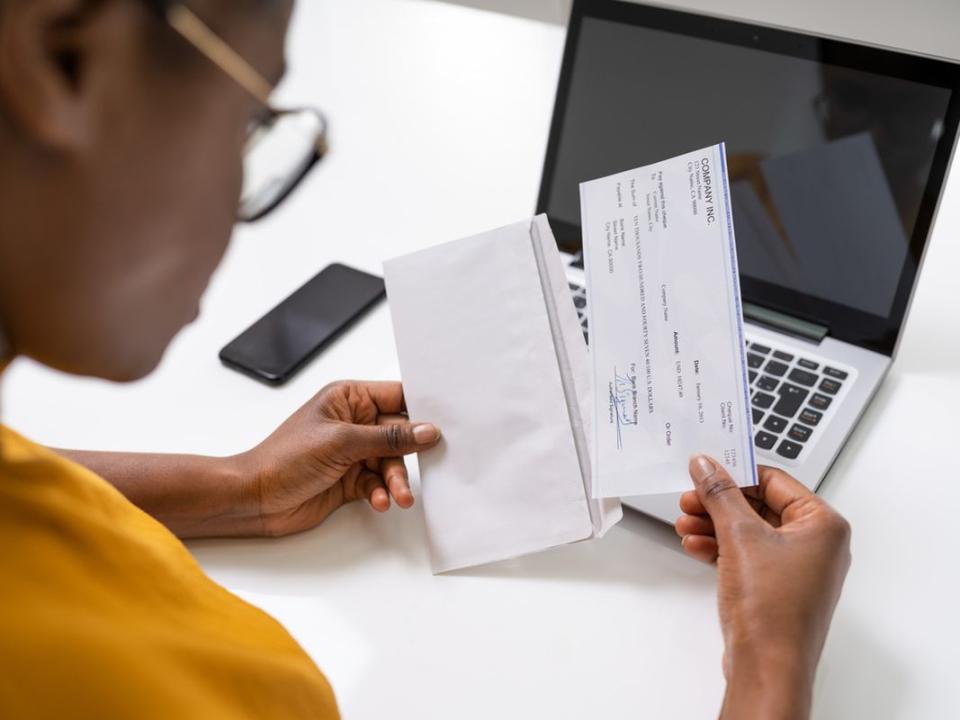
[[623, 407]]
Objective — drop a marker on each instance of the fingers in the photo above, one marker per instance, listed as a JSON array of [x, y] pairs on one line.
[[387, 396], [390, 440], [394, 470], [371, 487], [719, 494], [781, 491], [702, 548], [394, 473], [690, 503], [694, 525]]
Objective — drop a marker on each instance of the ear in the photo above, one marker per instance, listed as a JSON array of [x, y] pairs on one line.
[[44, 48]]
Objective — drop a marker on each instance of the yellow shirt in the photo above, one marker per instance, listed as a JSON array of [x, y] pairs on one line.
[[104, 614]]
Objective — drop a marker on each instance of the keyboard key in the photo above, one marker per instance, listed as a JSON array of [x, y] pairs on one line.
[[781, 355], [580, 301], [762, 400], [775, 424], [776, 368], [834, 373], [791, 399], [586, 337], [767, 383], [754, 361], [799, 433], [575, 288], [831, 387], [757, 416], [820, 402], [808, 364], [762, 349], [810, 417], [803, 377], [789, 450], [765, 441], [753, 375]]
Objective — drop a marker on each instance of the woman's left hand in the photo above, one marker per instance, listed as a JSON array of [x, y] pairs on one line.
[[345, 444]]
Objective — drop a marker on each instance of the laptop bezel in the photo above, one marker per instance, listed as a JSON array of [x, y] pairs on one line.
[[875, 333]]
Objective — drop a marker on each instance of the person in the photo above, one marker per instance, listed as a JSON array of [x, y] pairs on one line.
[[123, 131]]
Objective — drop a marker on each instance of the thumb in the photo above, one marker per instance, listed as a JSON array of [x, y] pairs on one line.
[[365, 442], [718, 493]]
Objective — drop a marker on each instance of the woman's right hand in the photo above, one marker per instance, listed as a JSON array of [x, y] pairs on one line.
[[782, 555]]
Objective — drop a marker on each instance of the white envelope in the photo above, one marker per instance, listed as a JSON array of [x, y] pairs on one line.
[[492, 352]]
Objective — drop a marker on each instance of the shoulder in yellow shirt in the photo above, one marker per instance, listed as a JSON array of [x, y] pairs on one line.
[[105, 614]]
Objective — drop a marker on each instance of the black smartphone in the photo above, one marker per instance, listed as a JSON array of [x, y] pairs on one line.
[[280, 343]]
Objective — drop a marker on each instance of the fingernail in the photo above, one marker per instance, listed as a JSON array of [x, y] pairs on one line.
[[425, 434], [702, 467]]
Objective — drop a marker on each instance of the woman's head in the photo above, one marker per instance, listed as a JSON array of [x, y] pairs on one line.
[[120, 170]]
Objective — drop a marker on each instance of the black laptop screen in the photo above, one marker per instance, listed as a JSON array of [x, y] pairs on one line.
[[832, 151]]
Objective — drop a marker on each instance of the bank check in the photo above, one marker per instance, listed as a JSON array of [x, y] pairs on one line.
[[666, 326]]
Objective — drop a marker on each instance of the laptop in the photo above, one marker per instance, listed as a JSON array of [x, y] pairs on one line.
[[837, 155]]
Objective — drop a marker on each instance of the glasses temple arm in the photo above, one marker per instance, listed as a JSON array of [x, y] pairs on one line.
[[207, 42]]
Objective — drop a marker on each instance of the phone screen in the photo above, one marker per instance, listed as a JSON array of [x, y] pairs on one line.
[[283, 340]]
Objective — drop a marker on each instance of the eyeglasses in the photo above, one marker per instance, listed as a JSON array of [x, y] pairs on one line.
[[282, 146]]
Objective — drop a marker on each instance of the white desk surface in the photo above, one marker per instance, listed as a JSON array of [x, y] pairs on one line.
[[440, 115]]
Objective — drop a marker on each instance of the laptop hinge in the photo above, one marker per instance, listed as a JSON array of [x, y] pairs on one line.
[[785, 323]]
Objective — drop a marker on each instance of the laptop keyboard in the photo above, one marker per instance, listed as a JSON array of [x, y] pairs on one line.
[[792, 395]]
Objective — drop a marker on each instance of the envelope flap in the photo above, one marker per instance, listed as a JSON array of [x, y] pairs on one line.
[[575, 365]]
